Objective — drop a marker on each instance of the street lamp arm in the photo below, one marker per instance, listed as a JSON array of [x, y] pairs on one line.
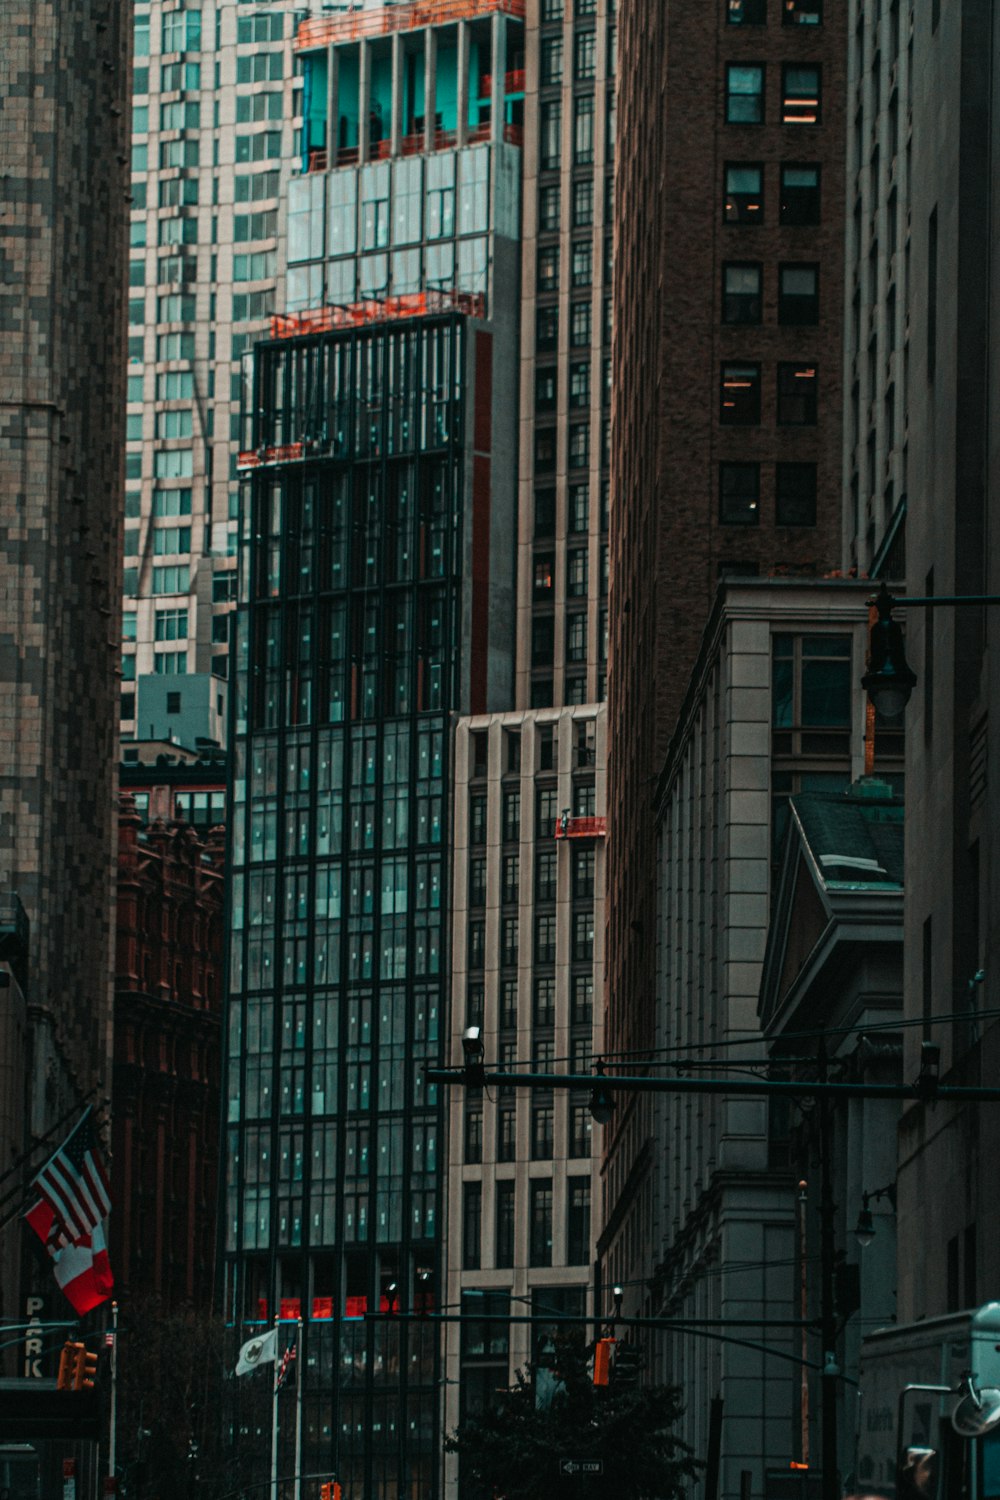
[[931, 600]]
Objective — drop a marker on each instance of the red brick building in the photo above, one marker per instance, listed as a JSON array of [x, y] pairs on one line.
[[727, 404], [168, 985]]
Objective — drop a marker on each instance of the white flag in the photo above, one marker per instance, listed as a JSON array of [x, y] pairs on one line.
[[262, 1349]]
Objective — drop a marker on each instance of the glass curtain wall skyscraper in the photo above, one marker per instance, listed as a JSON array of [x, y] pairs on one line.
[[376, 603]]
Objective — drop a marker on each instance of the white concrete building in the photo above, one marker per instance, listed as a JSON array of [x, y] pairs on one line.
[[774, 708]]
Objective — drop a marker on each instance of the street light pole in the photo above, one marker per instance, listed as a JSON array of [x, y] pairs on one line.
[[828, 1320]]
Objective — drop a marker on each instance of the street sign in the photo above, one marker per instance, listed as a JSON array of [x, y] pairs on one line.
[[581, 1466]]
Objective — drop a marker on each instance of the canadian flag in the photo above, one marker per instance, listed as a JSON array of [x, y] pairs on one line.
[[82, 1269]]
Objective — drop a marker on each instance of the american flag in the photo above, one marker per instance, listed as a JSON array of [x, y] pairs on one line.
[[286, 1361], [74, 1185]]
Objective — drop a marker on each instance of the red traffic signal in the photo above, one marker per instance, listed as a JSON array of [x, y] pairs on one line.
[[602, 1361], [84, 1369], [326, 1491], [68, 1356]]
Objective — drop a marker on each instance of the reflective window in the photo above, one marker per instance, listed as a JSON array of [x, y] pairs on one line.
[[743, 202], [739, 494], [745, 93], [740, 395]]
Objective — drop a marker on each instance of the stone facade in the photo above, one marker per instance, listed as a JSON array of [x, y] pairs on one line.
[[720, 1190], [63, 133]]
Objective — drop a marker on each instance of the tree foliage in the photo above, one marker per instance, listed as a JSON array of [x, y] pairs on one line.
[[513, 1449], [171, 1371]]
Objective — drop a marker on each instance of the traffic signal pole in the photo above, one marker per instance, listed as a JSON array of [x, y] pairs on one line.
[[113, 1420]]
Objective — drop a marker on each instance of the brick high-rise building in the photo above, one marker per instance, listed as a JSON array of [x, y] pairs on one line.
[[64, 82], [727, 424], [168, 1002]]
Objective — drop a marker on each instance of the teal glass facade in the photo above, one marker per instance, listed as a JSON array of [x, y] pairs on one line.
[[347, 648]]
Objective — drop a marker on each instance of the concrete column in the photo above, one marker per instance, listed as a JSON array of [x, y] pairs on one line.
[[396, 118], [463, 82], [430, 70], [364, 97], [332, 116], [498, 67]]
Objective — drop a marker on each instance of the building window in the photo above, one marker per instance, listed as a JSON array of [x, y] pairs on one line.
[[473, 1135], [741, 300], [540, 1222], [582, 265], [477, 818], [547, 328], [743, 201], [798, 295], [795, 494], [739, 494], [543, 574], [545, 874], [745, 93], [800, 201], [579, 445], [545, 388], [543, 635], [583, 873], [579, 384], [578, 1221], [811, 686], [472, 1224], [802, 12], [506, 1133], [547, 278], [797, 384], [579, 508], [548, 207], [583, 936], [510, 885], [545, 513], [582, 1000], [800, 94], [583, 203], [576, 639], [579, 327], [542, 1131], [583, 130], [509, 942], [740, 396], [585, 56], [580, 1130], [576, 573], [545, 450], [545, 938], [504, 1224], [550, 135], [746, 13], [171, 625], [544, 1012], [477, 943], [551, 60]]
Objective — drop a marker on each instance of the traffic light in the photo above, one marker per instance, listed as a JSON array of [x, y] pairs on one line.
[[602, 1361], [336, 1490], [628, 1364], [84, 1369], [68, 1357], [326, 1491]]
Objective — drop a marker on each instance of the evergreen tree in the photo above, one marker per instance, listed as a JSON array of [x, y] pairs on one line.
[[513, 1449]]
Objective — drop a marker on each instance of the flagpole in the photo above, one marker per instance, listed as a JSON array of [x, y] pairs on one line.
[[299, 1376], [274, 1419], [113, 1426]]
